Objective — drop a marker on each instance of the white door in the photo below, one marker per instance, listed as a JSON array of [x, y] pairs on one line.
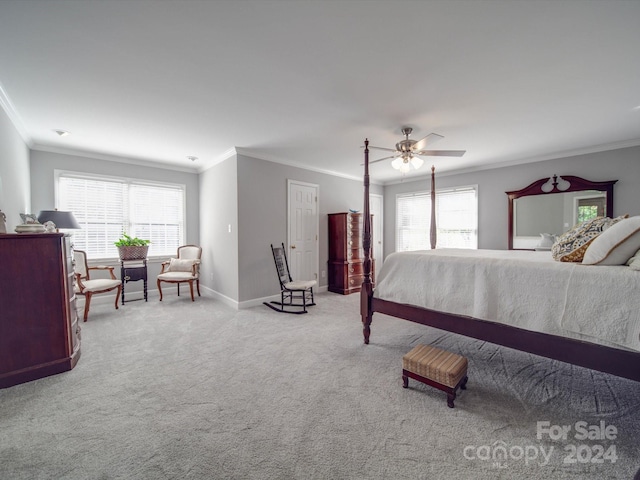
[[375, 208], [303, 229]]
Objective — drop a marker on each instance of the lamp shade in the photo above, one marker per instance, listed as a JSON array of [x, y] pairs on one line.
[[416, 162], [61, 219]]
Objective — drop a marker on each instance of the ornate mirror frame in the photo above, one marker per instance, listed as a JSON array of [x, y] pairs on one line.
[[559, 184]]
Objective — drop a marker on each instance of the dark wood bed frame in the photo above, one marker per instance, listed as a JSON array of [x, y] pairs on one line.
[[622, 363]]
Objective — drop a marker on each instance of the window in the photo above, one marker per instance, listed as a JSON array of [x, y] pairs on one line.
[[589, 208], [456, 219], [107, 207]]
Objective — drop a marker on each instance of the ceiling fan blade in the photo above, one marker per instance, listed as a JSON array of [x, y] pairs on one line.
[[380, 159], [441, 153], [428, 140], [383, 148]]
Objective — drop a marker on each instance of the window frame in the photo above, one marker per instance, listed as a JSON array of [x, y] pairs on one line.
[[58, 173], [427, 193]]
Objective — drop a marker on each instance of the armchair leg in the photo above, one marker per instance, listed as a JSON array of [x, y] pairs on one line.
[[178, 285], [159, 289], [87, 302], [198, 286], [118, 296], [190, 289]]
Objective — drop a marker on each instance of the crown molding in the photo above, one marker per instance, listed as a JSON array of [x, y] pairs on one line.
[[14, 117], [112, 158], [270, 158], [206, 165]]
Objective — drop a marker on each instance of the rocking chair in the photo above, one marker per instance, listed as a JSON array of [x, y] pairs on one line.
[[290, 290]]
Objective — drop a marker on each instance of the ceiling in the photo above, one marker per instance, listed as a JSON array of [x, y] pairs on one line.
[[304, 82]]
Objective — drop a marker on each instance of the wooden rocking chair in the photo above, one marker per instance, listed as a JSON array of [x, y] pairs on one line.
[[290, 290]]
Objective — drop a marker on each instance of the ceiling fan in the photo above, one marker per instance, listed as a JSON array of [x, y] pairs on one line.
[[407, 152]]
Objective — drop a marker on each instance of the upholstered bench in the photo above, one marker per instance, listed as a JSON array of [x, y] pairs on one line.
[[438, 368]]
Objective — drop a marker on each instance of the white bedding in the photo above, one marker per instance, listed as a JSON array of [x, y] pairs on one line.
[[526, 289]]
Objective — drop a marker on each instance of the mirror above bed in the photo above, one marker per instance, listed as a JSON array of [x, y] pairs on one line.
[[550, 206]]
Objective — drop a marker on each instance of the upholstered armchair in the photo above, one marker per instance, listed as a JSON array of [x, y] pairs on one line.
[[183, 269], [87, 286]]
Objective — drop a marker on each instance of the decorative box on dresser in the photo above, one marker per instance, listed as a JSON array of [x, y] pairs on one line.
[[345, 253], [39, 329]]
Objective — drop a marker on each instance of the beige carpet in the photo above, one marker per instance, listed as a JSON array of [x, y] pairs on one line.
[[182, 390]]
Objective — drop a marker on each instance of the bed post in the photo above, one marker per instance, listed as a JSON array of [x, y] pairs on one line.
[[433, 208], [366, 291]]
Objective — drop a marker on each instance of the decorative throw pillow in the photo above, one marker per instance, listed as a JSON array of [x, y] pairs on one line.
[[616, 244], [634, 262], [177, 265], [572, 245]]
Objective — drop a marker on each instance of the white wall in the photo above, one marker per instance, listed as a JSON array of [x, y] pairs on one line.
[[218, 212], [15, 190], [621, 164]]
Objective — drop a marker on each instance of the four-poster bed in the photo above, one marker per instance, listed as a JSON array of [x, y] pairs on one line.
[[600, 356]]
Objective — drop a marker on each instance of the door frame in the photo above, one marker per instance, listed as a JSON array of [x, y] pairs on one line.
[[291, 182], [379, 226]]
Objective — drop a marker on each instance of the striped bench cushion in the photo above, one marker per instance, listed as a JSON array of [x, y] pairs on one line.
[[443, 367]]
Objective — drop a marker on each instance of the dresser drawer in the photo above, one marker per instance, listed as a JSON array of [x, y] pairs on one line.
[[132, 274], [353, 241], [353, 254], [355, 269], [355, 280]]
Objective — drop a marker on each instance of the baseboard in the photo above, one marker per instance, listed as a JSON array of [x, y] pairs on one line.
[[209, 292], [205, 291], [259, 301]]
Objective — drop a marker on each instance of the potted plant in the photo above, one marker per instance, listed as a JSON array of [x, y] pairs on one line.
[[132, 248]]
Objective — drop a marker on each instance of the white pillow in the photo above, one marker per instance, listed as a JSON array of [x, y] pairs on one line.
[[616, 244], [634, 262], [178, 265]]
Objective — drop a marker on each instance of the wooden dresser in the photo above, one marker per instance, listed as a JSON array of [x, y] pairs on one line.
[[345, 253], [39, 329]]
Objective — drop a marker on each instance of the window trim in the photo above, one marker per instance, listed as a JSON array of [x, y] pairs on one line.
[[57, 173], [427, 193]]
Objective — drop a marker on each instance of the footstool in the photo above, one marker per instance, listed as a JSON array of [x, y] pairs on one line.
[[438, 368]]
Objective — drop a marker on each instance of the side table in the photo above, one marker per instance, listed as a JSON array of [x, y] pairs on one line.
[[132, 271]]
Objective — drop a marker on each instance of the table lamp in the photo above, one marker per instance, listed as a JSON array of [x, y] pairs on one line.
[[64, 220]]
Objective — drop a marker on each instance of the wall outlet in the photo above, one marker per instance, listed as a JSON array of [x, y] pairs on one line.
[[229, 228], [323, 273]]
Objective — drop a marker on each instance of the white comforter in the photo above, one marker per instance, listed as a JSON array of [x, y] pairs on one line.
[[525, 289]]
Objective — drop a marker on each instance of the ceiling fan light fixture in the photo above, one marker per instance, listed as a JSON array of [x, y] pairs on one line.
[[407, 151], [416, 162]]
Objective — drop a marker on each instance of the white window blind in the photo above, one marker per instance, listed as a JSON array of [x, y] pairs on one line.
[[456, 219], [105, 208]]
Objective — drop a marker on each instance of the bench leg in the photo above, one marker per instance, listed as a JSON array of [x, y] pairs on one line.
[[451, 392]]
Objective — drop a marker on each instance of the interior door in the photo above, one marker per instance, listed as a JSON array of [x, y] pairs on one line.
[[377, 250], [303, 229]]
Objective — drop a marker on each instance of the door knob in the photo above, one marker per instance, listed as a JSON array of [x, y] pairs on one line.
[[293, 246]]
